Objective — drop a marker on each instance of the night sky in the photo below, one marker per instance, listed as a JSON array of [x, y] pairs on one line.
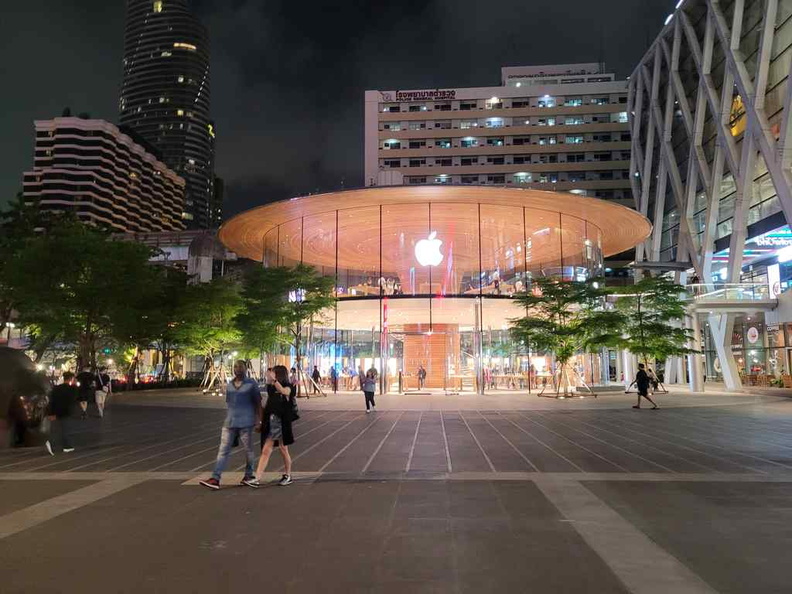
[[288, 76]]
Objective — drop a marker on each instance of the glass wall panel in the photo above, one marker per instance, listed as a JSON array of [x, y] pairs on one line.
[[543, 246], [573, 246], [594, 251], [358, 339], [457, 227], [319, 242], [358, 252], [505, 364], [502, 253], [412, 256], [290, 243], [271, 248]]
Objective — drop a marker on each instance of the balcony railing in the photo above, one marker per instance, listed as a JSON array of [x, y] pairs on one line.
[[729, 292]]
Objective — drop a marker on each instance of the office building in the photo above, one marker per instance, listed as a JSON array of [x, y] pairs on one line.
[[94, 170], [711, 130], [165, 95], [560, 128]]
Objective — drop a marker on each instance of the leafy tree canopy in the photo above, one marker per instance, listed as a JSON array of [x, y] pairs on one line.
[[565, 318], [652, 309]]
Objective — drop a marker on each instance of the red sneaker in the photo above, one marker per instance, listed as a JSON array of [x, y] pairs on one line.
[[211, 483]]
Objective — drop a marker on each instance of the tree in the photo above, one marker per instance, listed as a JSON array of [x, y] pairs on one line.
[[566, 318], [149, 318], [281, 301], [75, 283], [205, 324], [17, 224], [652, 308]]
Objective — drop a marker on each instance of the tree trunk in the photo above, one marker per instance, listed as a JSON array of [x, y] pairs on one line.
[[84, 349]]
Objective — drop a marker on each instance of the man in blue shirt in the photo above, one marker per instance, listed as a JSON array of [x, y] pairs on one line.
[[243, 399]]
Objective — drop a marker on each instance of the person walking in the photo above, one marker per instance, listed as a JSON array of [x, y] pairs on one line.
[[369, 385], [421, 376], [317, 378], [276, 425], [642, 382], [334, 379], [86, 390], [62, 401], [103, 391], [243, 403]]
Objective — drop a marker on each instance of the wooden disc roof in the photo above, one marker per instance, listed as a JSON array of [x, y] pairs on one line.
[[621, 228]]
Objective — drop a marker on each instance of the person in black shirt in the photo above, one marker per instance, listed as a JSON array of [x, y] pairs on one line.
[[642, 382], [62, 400], [276, 424], [86, 386], [316, 377]]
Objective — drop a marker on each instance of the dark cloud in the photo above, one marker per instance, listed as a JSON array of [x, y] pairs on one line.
[[288, 77]]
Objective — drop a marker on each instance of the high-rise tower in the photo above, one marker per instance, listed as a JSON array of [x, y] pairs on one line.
[[165, 94]]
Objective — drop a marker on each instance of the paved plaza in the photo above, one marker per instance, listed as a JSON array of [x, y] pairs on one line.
[[503, 492]]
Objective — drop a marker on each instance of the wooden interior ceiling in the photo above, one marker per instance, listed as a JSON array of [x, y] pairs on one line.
[[454, 217]]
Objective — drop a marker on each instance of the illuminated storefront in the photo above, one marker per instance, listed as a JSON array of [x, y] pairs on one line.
[[425, 275]]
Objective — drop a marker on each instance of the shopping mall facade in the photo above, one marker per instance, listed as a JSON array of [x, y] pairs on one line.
[[709, 111], [426, 275]]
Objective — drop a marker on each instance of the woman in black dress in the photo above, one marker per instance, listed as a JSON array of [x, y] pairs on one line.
[[276, 424]]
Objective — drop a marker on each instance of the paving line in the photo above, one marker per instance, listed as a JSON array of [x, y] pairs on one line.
[[381, 443], [506, 439], [698, 451], [478, 443], [445, 441], [301, 454], [641, 565], [644, 444], [143, 449], [741, 432], [414, 441], [574, 443], [732, 452], [532, 436], [44, 511], [353, 440], [626, 451], [242, 466]]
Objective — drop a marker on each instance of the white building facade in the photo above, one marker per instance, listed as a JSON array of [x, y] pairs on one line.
[[561, 127], [709, 109]]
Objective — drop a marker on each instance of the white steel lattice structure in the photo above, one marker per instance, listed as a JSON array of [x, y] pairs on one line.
[[709, 107]]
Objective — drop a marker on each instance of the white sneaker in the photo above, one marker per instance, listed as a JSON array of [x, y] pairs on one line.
[[285, 480], [368, 410], [48, 445]]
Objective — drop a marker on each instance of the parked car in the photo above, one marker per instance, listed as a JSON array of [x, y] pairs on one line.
[[23, 401]]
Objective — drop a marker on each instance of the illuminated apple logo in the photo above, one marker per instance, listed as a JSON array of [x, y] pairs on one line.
[[427, 251]]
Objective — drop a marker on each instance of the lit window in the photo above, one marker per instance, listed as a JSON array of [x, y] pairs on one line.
[[165, 54], [574, 101], [468, 142], [182, 45], [467, 124], [495, 123], [522, 178], [162, 99], [158, 6], [574, 140], [622, 117], [180, 79], [179, 112], [211, 130]]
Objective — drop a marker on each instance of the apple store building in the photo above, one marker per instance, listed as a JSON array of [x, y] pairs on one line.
[[425, 276]]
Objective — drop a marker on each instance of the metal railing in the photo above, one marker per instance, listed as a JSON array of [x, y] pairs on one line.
[[729, 292]]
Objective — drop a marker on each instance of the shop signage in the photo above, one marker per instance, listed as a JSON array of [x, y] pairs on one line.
[[774, 280], [772, 241], [752, 335], [428, 95]]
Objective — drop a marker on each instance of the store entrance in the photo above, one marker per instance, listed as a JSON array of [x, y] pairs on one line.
[[437, 361]]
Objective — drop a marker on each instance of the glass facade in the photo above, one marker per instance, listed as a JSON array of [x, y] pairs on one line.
[[430, 284]]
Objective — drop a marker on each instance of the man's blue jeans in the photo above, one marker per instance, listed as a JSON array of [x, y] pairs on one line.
[[227, 437]]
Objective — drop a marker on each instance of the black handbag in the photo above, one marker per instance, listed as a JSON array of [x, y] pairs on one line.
[[295, 411]]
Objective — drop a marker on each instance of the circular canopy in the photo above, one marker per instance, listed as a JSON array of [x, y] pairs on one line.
[[620, 228]]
